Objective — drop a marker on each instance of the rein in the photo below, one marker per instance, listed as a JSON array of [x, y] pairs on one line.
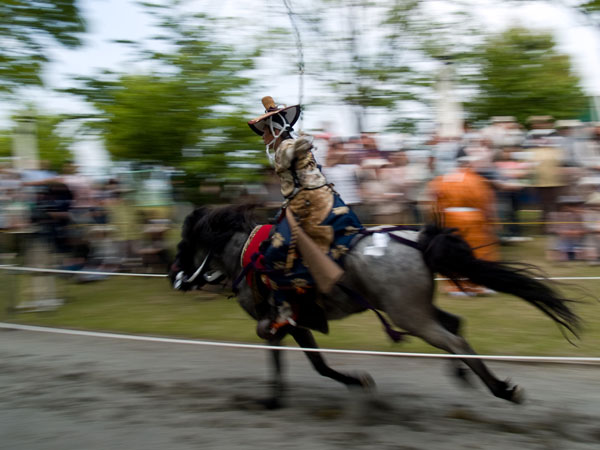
[[180, 278], [199, 271], [245, 271]]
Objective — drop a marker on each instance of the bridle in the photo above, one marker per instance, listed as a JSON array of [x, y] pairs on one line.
[[212, 277]]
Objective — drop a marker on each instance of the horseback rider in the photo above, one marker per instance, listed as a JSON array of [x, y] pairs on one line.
[[316, 208]]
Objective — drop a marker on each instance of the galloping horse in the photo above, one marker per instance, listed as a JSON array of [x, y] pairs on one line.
[[399, 280]]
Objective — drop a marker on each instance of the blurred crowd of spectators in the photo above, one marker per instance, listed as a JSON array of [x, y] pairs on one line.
[[69, 221], [547, 174], [552, 167]]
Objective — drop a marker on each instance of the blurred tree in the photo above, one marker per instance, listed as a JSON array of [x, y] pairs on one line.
[[185, 112], [520, 73], [591, 5], [351, 55], [53, 144], [148, 118], [380, 58], [26, 29], [591, 9], [420, 42], [5, 144]]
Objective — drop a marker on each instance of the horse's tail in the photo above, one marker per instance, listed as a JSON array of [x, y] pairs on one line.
[[446, 253]]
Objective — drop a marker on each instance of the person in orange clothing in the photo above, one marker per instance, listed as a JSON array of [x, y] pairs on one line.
[[465, 200]]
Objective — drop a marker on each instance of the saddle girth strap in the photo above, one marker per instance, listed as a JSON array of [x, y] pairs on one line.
[[364, 232]]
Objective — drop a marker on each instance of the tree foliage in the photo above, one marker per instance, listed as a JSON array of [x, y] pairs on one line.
[[591, 6], [5, 144], [385, 57], [520, 73], [52, 144], [382, 57], [27, 27], [363, 70], [143, 117], [185, 111], [591, 10]]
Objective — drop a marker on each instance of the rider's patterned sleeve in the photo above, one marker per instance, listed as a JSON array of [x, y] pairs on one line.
[[307, 170], [293, 150], [285, 155], [303, 146], [295, 158]]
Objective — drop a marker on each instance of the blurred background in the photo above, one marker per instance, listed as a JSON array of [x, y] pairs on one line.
[[118, 117]]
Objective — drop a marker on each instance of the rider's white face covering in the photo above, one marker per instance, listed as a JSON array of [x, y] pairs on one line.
[[273, 126]]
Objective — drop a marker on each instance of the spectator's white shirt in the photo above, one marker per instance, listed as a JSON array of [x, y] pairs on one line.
[[344, 177]]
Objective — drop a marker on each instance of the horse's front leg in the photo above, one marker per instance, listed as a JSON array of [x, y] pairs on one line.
[[305, 339], [277, 384]]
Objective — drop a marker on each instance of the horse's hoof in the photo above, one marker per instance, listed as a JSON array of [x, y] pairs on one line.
[[366, 382], [517, 395]]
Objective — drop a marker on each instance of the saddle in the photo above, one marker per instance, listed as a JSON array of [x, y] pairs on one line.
[[310, 310], [307, 302]]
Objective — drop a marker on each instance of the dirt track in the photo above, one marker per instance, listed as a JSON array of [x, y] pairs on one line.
[[59, 392]]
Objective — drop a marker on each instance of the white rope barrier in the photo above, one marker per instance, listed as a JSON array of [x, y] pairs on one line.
[[78, 272], [527, 359], [535, 359], [151, 275]]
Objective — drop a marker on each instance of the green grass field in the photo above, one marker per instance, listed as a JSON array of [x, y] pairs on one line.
[[496, 324]]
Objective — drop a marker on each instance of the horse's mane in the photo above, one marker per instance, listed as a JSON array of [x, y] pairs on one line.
[[211, 228]]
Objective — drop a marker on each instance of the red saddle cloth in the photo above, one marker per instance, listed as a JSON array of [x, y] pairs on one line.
[[258, 235]]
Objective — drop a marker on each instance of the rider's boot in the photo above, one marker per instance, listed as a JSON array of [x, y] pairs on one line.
[[283, 315]]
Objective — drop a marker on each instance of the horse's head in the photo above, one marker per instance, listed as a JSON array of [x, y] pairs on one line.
[[182, 267], [201, 257]]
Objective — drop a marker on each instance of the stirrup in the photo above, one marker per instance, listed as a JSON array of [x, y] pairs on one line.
[[285, 316], [266, 328], [276, 325]]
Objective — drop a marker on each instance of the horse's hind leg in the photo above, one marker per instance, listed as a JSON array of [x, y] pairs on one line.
[[452, 323], [305, 339], [440, 337]]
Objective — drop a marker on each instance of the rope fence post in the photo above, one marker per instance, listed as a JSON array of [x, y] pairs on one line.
[[9, 283]]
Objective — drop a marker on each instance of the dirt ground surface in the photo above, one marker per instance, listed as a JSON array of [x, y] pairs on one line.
[[75, 392]]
